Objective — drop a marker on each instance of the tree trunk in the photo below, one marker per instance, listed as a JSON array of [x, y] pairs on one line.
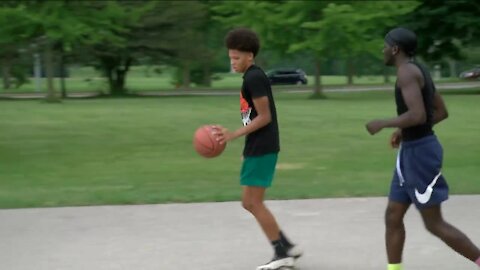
[[49, 66], [207, 75], [186, 76], [116, 69], [119, 82], [350, 71], [6, 73], [61, 64], [318, 91], [109, 74]]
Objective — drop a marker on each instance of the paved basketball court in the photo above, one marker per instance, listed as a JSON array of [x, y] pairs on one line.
[[335, 233]]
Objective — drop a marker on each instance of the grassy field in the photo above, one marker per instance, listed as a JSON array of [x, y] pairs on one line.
[[87, 79], [139, 150]]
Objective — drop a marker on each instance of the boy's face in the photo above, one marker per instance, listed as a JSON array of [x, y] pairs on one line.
[[240, 61]]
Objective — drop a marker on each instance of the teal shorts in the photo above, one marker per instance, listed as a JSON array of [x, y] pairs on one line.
[[258, 171]]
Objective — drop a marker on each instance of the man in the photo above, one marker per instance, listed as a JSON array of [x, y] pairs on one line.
[[262, 142], [417, 177]]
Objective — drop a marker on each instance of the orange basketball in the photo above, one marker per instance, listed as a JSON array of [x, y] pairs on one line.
[[205, 142]]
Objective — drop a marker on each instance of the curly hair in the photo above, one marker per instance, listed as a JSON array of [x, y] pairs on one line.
[[243, 39]]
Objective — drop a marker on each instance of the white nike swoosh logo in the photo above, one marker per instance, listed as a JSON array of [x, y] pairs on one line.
[[399, 171], [424, 197]]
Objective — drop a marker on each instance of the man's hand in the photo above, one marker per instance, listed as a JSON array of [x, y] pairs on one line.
[[222, 134], [375, 126], [396, 138]]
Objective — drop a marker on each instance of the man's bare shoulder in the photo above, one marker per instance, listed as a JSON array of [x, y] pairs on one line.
[[409, 73]]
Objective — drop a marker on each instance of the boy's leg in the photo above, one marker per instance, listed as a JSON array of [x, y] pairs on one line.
[[454, 238], [252, 200], [256, 176]]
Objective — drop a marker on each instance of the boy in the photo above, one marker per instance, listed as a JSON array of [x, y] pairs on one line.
[[262, 142]]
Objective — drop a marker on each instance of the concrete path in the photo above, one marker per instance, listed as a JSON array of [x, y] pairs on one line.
[[335, 233]]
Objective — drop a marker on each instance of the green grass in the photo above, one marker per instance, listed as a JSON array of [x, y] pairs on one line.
[[139, 150], [87, 79]]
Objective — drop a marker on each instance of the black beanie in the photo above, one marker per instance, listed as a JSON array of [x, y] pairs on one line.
[[403, 38]]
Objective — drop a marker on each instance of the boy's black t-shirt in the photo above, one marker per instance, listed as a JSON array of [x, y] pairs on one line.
[[266, 139]]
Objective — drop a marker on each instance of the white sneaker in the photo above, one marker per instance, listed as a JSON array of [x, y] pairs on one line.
[[277, 263], [295, 252]]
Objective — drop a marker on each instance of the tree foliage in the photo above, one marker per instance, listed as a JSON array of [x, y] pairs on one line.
[[188, 35], [444, 27]]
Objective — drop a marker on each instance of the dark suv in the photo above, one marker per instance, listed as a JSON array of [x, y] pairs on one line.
[[471, 74], [287, 76]]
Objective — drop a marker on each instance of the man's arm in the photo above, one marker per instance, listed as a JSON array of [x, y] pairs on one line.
[[440, 112], [412, 95]]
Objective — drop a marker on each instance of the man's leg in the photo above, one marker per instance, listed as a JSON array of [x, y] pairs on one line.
[[454, 238], [395, 231]]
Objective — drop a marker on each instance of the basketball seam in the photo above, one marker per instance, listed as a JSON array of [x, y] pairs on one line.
[[204, 145]]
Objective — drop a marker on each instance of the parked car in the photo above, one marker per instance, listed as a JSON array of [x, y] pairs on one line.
[[471, 74], [287, 76]]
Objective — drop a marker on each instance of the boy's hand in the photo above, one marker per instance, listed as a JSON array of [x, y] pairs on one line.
[[222, 134]]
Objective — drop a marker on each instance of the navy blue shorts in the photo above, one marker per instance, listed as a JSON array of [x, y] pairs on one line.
[[417, 177]]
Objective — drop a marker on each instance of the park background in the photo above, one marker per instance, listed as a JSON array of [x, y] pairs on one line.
[[100, 99]]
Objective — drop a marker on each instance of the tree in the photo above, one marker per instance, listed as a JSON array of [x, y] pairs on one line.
[[459, 28], [187, 35], [115, 56], [166, 31], [348, 30], [13, 37], [323, 30], [276, 22], [63, 25]]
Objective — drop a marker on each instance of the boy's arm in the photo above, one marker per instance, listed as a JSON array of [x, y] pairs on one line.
[[264, 117]]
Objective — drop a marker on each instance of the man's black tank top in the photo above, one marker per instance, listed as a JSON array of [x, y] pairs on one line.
[[428, 91]]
